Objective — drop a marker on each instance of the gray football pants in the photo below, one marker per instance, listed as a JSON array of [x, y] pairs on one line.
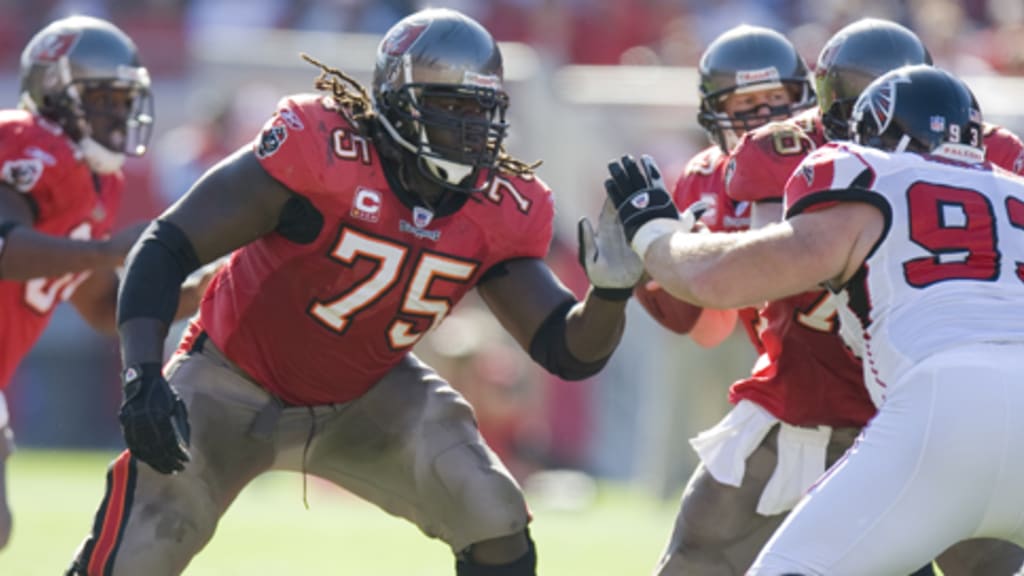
[[410, 445]]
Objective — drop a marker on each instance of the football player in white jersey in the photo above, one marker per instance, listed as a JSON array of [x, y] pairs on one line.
[[925, 240]]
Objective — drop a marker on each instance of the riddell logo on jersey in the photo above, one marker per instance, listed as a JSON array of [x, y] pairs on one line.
[[367, 205]]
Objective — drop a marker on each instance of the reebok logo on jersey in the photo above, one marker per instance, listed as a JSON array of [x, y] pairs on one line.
[[271, 140], [730, 171], [421, 218], [46, 157], [367, 205], [407, 227], [292, 119], [808, 173]]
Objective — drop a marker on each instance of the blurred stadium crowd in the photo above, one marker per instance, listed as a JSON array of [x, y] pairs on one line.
[[632, 419], [966, 36]]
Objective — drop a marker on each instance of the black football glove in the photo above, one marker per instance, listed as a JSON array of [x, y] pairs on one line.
[[638, 193], [154, 420]]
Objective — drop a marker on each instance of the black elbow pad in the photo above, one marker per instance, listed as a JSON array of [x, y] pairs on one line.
[[549, 349], [154, 271]]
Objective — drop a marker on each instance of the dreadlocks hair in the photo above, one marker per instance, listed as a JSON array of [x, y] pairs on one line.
[[353, 100], [354, 103]]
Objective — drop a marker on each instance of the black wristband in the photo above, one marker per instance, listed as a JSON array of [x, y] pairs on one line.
[[612, 294], [549, 349], [143, 371]]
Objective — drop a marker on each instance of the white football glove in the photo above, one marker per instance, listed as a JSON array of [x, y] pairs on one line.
[[612, 266]]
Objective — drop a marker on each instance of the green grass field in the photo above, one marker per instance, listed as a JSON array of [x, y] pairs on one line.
[[269, 531]]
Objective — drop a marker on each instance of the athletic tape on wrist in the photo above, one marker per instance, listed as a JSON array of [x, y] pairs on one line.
[[651, 231], [4, 415]]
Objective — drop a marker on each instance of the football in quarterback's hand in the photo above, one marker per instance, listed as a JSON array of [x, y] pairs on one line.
[[676, 315]]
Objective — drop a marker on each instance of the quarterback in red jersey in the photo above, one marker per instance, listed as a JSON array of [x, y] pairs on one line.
[[749, 76], [85, 105], [357, 222]]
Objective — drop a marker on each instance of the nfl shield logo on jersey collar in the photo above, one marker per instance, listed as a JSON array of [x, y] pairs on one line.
[[422, 217]]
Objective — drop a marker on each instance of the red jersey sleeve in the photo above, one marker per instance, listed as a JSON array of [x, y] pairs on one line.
[[291, 147], [763, 160], [36, 159], [693, 184], [528, 210], [1004, 149]]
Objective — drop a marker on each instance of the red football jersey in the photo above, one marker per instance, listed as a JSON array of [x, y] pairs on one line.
[[765, 157], [805, 375], [704, 179], [321, 323], [38, 160]]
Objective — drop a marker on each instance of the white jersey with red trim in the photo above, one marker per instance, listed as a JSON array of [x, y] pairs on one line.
[[948, 269]]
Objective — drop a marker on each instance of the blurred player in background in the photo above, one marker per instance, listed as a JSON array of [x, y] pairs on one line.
[[805, 400], [923, 239], [359, 222], [85, 105]]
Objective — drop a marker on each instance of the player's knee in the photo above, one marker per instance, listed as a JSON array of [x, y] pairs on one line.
[[489, 502], [512, 555]]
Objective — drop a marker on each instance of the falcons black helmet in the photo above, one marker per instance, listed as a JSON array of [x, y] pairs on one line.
[[852, 59], [919, 109]]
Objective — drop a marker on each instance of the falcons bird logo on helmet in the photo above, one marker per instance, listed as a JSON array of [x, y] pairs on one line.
[[881, 104]]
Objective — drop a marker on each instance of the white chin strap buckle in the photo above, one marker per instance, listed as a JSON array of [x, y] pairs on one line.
[[451, 172], [100, 159]]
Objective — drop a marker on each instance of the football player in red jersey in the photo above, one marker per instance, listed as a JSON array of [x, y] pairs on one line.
[[357, 221], [805, 400], [902, 225], [749, 76], [85, 106]]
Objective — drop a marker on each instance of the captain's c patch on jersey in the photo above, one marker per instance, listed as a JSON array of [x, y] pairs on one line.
[[366, 205]]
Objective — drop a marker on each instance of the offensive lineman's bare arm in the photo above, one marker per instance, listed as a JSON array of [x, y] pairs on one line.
[[529, 292]]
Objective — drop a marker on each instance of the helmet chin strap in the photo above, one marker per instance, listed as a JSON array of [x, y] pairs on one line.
[[100, 159], [444, 170]]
